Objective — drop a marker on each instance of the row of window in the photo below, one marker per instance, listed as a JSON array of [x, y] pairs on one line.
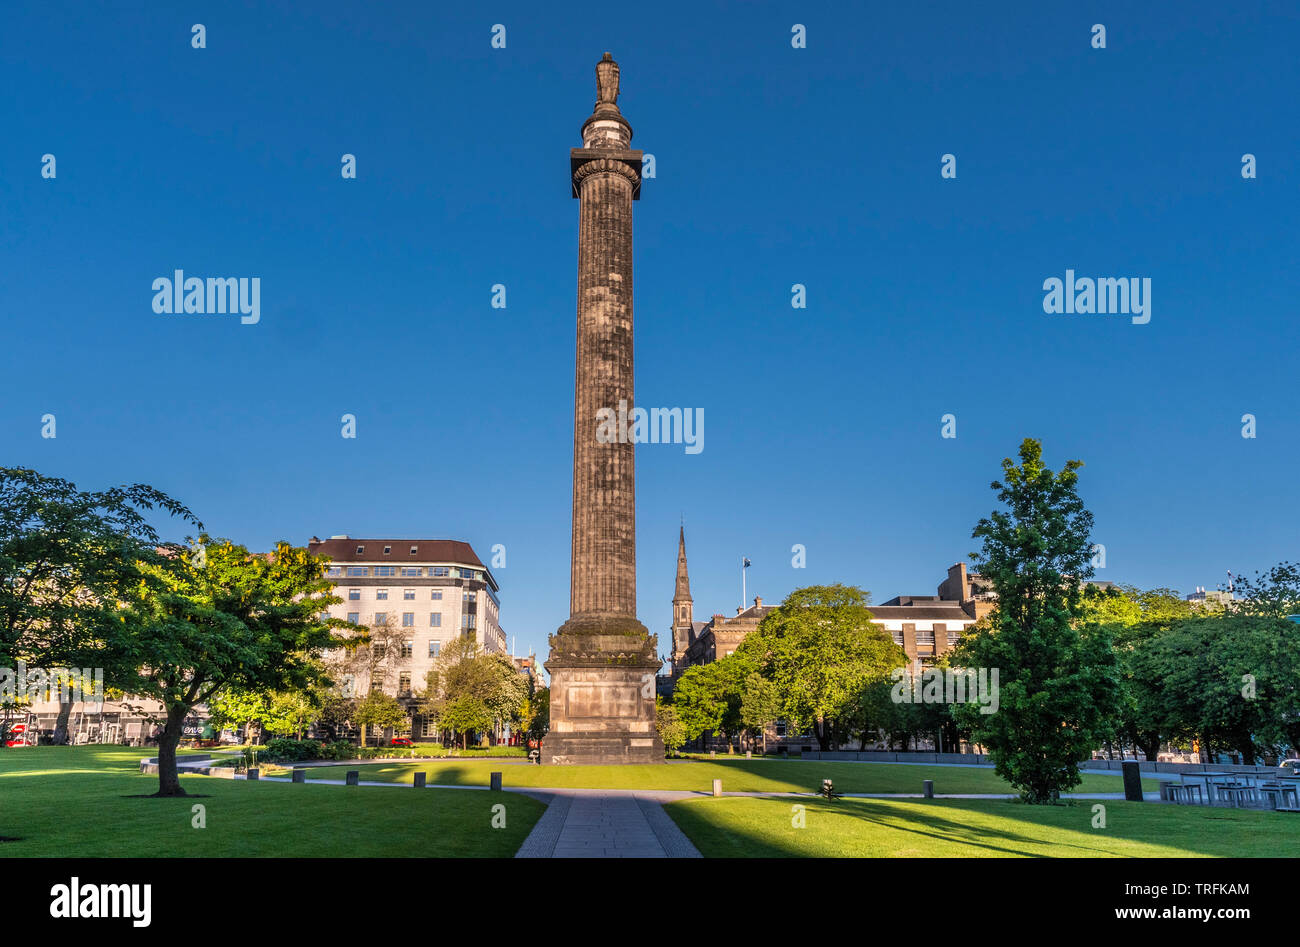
[[407, 649], [467, 622], [434, 572], [927, 637], [408, 595], [403, 683]]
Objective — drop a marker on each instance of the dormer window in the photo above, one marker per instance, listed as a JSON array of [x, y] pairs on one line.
[[387, 550], [360, 550], [414, 550]]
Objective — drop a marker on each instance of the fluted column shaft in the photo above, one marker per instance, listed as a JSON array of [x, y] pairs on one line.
[[603, 579]]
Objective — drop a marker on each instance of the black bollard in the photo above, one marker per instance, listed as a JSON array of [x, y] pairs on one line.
[[1132, 781], [419, 779], [354, 776], [299, 775], [496, 782], [927, 787]]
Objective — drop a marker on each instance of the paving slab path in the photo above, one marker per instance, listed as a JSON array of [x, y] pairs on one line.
[[596, 824]]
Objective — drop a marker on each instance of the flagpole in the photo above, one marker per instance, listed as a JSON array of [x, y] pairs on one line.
[[744, 594]]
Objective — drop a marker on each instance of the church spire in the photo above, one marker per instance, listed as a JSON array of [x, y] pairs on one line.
[[683, 609], [683, 593]]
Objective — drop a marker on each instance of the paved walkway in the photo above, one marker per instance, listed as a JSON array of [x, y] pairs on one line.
[[587, 824]]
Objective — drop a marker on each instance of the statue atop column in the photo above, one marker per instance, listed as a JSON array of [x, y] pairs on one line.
[[607, 81]]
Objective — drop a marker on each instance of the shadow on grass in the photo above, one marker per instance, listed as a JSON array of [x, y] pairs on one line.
[[950, 828]]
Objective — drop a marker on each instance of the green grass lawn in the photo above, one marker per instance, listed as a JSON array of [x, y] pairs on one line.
[[81, 802], [736, 775], [965, 828]]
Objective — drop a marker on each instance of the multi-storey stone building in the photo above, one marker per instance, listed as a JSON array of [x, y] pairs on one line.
[[926, 626], [424, 593]]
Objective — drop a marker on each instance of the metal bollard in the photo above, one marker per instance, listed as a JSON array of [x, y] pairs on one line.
[[1132, 781], [495, 784], [928, 788]]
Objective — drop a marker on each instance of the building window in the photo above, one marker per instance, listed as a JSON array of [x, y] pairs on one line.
[[435, 619], [408, 595], [410, 571], [436, 595], [381, 594], [408, 647], [780, 728], [414, 550], [430, 727], [376, 682], [334, 570], [467, 622], [386, 571], [435, 648], [954, 637], [898, 637], [354, 595], [381, 618], [387, 550], [467, 597], [358, 570], [354, 617], [378, 650], [360, 550], [925, 637], [441, 571], [404, 685], [408, 621]]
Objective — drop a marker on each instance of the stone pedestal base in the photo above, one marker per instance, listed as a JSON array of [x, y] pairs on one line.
[[602, 694]]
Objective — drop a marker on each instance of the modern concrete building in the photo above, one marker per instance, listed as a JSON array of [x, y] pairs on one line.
[[416, 595]]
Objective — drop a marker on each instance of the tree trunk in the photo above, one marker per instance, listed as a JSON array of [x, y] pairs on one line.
[[61, 724], [169, 781], [821, 730], [1150, 745]]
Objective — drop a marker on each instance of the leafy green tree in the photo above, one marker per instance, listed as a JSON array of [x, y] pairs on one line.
[[464, 715], [1233, 682], [1271, 594], [381, 711], [193, 626], [233, 708], [671, 730], [760, 706], [66, 559], [538, 719], [819, 647], [487, 680], [1059, 683], [707, 697], [290, 712], [1132, 616]]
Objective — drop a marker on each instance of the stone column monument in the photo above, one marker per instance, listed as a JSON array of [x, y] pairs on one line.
[[603, 660]]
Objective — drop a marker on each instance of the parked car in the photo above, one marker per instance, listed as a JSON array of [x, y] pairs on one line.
[[1292, 767], [400, 741]]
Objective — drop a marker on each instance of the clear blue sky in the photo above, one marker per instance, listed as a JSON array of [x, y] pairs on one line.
[[774, 166]]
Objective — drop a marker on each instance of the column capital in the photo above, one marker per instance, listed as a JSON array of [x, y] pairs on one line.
[[584, 162]]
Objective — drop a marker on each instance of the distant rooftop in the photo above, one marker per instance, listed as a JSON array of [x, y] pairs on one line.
[[347, 549]]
